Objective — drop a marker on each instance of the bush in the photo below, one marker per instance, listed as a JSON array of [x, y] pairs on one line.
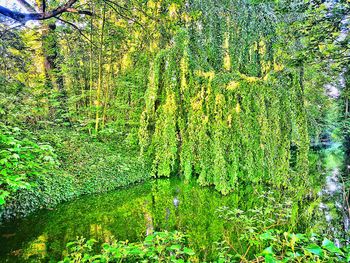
[[158, 247], [22, 161], [172, 247], [86, 166]]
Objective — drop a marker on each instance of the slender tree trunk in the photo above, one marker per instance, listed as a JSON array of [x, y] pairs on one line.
[[100, 69], [107, 88], [91, 69], [301, 78], [53, 73], [346, 107]]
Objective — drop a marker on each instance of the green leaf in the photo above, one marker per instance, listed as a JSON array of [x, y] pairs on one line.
[[188, 251], [2, 200], [331, 247], [149, 238], [69, 244], [15, 155], [267, 236], [270, 259], [268, 251], [315, 249], [175, 247], [3, 195], [135, 251]]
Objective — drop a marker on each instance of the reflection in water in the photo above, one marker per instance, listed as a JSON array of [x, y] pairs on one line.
[[332, 196], [170, 204]]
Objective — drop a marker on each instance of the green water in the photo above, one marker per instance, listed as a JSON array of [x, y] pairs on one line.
[[170, 204]]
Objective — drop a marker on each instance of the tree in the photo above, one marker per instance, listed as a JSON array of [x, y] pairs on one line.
[[43, 14], [53, 74]]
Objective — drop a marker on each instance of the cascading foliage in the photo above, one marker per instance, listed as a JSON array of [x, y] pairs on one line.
[[222, 108]]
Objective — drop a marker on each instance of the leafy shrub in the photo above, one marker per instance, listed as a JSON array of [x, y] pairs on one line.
[[21, 161], [290, 247], [172, 247], [87, 166], [158, 247], [261, 229]]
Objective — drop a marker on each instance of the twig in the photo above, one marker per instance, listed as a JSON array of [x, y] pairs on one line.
[[9, 29], [77, 28]]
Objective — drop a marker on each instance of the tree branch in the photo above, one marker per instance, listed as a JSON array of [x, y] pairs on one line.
[[77, 28], [9, 30], [43, 5], [24, 17]]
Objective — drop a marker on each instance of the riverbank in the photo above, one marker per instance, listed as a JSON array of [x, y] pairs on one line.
[[87, 165]]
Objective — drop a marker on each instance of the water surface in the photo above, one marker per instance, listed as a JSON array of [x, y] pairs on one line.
[[170, 204]]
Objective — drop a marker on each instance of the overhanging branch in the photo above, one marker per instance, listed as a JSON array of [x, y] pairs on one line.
[[24, 17]]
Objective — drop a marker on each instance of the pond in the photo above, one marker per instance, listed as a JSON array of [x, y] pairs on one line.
[[170, 204]]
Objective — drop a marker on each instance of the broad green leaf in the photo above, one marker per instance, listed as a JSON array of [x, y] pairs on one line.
[[175, 247], [331, 247], [315, 249], [267, 236], [268, 251], [270, 259], [135, 251], [69, 244], [149, 238], [188, 251]]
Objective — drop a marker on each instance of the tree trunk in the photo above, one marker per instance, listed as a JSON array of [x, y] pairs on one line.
[[100, 66], [53, 74]]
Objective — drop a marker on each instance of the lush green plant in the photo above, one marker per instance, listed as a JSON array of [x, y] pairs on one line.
[[87, 166], [22, 161], [229, 100], [290, 247], [270, 242], [222, 99], [157, 247], [217, 126], [171, 247]]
